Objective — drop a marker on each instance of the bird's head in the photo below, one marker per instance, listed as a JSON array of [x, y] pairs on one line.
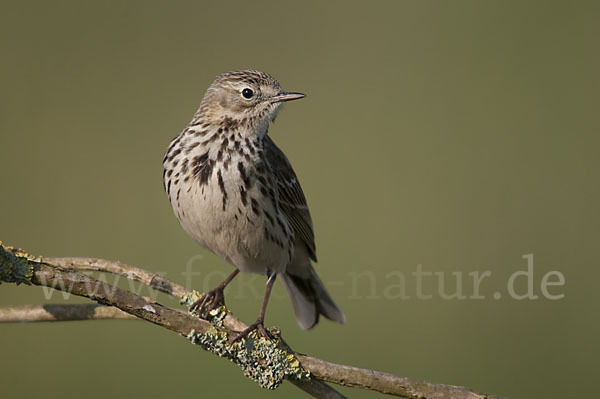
[[247, 98]]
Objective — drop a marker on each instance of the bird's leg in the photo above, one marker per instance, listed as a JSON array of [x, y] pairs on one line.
[[259, 323], [216, 294]]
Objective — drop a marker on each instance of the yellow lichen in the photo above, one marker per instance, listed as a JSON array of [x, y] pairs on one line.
[[263, 360], [15, 266]]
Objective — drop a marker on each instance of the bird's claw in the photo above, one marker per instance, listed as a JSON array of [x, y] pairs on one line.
[[218, 299], [257, 325]]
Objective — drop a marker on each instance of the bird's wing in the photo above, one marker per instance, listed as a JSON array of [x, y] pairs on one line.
[[291, 197]]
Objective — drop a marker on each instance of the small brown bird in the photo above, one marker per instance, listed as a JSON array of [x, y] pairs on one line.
[[235, 192]]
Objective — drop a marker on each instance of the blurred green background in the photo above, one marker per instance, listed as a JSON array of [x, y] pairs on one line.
[[457, 135]]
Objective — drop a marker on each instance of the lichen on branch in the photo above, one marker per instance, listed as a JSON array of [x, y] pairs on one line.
[[268, 362], [15, 266]]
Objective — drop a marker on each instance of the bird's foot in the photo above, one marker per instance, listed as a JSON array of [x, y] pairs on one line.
[[209, 301], [257, 325]]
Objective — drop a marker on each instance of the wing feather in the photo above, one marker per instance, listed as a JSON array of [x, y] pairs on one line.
[[291, 196]]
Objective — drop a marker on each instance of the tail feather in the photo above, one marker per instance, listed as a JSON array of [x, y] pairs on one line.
[[310, 299]]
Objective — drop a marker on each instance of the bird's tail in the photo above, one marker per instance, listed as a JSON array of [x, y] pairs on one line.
[[310, 298]]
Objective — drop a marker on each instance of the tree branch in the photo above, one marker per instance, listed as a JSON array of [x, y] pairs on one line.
[[64, 274], [84, 311], [150, 279]]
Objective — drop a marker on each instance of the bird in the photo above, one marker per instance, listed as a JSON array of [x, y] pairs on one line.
[[236, 194]]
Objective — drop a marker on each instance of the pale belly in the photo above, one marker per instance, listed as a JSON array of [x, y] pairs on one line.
[[242, 236]]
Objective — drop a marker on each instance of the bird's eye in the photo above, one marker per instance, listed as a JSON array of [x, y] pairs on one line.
[[247, 93]]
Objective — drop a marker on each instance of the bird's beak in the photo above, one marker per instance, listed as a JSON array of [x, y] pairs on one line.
[[281, 97]]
